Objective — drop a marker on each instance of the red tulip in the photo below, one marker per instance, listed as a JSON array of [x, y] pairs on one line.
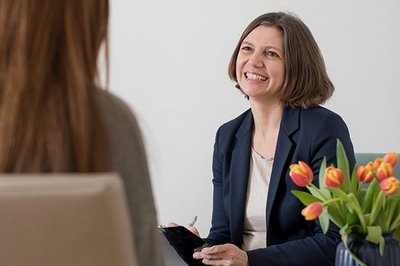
[[384, 171], [333, 177], [390, 185], [364, 174], [312, 211], [301, 174], [391, 158]]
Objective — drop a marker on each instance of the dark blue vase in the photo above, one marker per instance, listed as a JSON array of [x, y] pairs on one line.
[[368, 252]]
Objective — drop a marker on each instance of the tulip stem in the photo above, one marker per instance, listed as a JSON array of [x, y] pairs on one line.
[[319, 191], [357, 208], [327, 202]]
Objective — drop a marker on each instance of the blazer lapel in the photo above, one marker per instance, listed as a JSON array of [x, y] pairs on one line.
[[239, 177], [289, 124]]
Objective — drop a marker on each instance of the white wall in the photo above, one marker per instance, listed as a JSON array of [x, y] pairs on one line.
[[169, 62]]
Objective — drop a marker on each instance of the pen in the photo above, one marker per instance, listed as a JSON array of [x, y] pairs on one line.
[[193, 222]]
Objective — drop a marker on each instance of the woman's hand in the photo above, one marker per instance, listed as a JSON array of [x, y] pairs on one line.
[[190, 228], [227, 255], [193, 230]]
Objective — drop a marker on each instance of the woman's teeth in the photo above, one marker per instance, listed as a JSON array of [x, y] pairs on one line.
[[255, 77]]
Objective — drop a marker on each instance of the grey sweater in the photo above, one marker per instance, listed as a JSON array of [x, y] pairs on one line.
[[129, 160]]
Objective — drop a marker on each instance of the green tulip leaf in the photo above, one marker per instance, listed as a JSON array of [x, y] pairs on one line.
[[352, 218], [304, 197], [391, 208], [349, 207], [397, 234], [336, 216], [324, 220], [395, 225], [321, 179], [315, 192], [354, 181], [343, 164], [357, 209], [370, 196], [367, 218], [377, 206], [361, 196], [381, 245], [338, 193], [374, 233], [345, 230], [357, 229]]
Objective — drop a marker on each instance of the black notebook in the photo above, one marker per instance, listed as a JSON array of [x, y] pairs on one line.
[[184, 242]]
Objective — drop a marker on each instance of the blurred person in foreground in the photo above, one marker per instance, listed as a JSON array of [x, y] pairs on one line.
[[54, 117]]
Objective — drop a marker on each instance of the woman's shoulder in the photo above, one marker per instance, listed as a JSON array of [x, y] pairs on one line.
[[234, 128], [319, 111], [120, 121], [111, 104], [116, 112], [236, 122], [321, 119], [320, 115]]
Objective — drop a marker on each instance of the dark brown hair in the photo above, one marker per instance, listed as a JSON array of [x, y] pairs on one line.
[[49, 119], [306, 82]]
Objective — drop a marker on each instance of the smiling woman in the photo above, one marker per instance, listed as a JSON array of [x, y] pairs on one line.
[[260, 65], [256, 220], [306, 82]]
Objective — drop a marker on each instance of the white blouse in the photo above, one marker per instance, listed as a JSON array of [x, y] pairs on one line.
[[255, 231]]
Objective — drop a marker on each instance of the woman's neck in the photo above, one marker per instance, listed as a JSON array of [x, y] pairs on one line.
[[267, 120], [267, 116]]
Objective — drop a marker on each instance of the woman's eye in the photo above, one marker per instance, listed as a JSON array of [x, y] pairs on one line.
[[246, 48], [271, 54]]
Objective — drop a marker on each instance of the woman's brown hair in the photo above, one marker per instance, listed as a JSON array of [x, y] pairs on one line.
[[306, 82], [49, 120]]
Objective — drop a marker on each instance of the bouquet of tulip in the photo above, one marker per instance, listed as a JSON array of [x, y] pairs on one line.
[[364, 201]]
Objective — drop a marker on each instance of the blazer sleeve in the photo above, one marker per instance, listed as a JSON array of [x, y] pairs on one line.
[[316, 138], [220, 230]]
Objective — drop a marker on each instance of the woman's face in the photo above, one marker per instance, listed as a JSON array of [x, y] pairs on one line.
[[260, 65]]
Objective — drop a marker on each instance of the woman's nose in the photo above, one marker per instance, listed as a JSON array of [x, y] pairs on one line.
[[256, 60]]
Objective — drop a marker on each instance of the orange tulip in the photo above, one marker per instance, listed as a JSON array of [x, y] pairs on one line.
[[377, 163], [384, 171], [301, 174], [390, 185], [391, 158], [333, 177], [312, 211], [364, 174]]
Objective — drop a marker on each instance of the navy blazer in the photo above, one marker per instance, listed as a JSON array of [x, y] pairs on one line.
[[305, 134]]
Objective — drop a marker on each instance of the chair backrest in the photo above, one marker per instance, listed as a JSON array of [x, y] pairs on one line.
[[364, 158], [64, 220]]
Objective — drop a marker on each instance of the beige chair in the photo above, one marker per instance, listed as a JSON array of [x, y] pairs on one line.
[[64, 220]]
